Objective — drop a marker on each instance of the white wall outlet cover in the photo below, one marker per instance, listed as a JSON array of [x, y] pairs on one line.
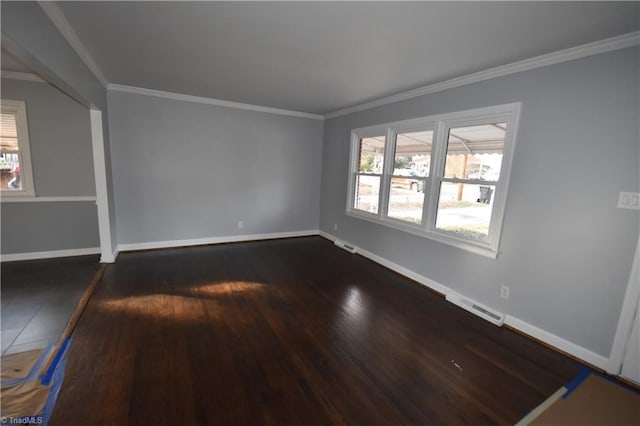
[[240, 224], [504, 292], [629, 200]]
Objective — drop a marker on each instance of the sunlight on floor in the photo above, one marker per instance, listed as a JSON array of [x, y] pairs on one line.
[[228, 287], [168, 306], [210, 296]]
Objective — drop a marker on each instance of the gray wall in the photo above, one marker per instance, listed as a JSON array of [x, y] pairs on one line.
[[61, 157], [34, 227], [566, 249], [29, 34], [60, 139], [184, 170]]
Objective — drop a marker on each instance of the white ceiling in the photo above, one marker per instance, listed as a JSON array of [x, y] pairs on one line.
[[319, 57]]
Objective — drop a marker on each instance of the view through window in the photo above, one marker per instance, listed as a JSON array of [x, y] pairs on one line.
[[369, 176], [412, 160], [9, 152], [15, 161], [442, 177], [474, 153]]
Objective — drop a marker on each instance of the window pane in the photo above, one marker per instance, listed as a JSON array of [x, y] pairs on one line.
[[8, 132], [367, 193], [10, 171], [475, 152], [371, 155], [406, 199], [465, 209], [413, 154]]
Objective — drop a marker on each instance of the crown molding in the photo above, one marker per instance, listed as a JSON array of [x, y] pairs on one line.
[[210, 101], [24, 76], [589, 49], [62, 24], [598, 47]]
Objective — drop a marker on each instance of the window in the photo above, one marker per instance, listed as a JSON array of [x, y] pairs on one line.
[[367, 172], [471, 174], [442, 177], [15, 159], [411, 163]]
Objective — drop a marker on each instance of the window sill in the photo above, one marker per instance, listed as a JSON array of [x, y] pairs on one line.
[[470, 246]]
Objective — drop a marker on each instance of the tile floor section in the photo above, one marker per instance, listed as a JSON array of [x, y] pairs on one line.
[[38, 298]]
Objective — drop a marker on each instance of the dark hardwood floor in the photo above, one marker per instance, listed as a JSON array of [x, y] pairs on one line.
[[38, 298], [290, 332]]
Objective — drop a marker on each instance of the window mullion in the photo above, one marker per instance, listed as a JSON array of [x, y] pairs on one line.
[[494, 220], [437, 170], [426, 201], [351, 199], [387, 171]]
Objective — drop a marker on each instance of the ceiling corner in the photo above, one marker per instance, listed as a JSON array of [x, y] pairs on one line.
[[62, 24]]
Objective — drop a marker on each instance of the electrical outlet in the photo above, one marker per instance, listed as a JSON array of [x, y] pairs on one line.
[[629, 200], [335, 226], [504, 292], [240, 224]]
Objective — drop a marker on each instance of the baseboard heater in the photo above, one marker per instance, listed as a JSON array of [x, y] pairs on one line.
[[476, 308], [345, 246]]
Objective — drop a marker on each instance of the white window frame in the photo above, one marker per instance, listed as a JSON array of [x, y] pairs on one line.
[[440, 124], [24, 152], [407, 126], [369, 132]]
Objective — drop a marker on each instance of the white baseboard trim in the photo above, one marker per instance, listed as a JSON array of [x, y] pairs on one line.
[[109, 257], [557, 342], [476, 308], [433, 285], [515, 323], [327, 236], [49, 254], [214, 240]]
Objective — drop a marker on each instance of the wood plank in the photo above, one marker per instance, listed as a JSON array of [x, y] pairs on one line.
[[290, 332]]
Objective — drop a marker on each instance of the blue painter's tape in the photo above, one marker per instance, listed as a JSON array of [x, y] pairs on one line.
[[58, 377], [44, 417], [33, 374], [48, 376], [586, 372], [53, 378], [577, 381]]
